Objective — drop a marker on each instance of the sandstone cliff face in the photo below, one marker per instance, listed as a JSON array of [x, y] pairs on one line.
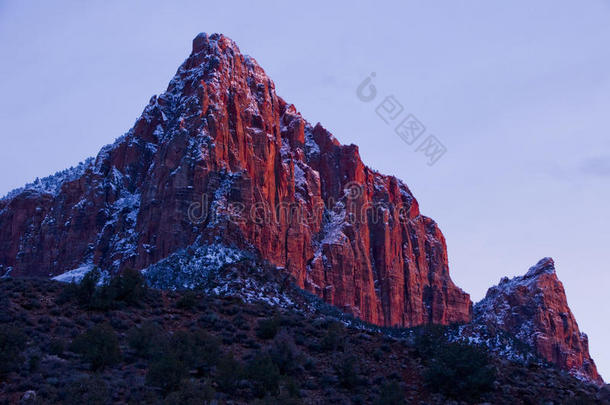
[[220, 158], [534, 308]]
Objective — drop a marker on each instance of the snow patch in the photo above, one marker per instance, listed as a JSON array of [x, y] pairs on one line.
[[311, 147], [52, 184], [77, 274], [191, 267]]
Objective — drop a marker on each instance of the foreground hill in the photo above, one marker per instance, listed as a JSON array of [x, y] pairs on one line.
[[125, 343]]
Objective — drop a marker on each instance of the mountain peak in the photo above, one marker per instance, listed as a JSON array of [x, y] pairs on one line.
[[534, 308], [200, 42], [544, 266], [220, 163], [204, 42]]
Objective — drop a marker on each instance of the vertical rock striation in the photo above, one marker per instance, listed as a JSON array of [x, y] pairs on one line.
[[220, 158]]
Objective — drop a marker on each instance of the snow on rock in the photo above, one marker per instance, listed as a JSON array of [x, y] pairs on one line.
[[74, 275], [77, 274], [502, 343], [311, 145], [535, 310], [52, 184], [191, 267]]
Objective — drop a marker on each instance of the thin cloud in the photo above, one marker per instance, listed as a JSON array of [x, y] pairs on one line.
[[599, 166]]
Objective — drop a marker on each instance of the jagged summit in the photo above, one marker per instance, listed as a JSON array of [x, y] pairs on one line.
[[203, 41], [545, 265]]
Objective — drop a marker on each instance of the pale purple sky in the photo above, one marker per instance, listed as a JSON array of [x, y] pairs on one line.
[[517, 91]]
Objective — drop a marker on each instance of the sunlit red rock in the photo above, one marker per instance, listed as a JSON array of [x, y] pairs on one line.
[[534, 308], [220, 138]]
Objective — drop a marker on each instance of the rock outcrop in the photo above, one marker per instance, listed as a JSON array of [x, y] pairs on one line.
[[219, 158], [534, 308]]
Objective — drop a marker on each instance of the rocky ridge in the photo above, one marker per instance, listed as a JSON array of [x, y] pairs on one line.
[[304, 357], [219, 158], [534, 309], [219, 168]]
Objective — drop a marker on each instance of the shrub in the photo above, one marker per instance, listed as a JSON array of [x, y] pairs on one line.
[[267, 328], [81, 292], [196, 349], [191, 393], [33, 362], [391, 394], [263, 374], [460, 371], [228, 373], [241, 323], [31, 303], [128, 287], [166, 372], [174, 355], [188, 300], [428, 338], [347, 371], [290, 389], [333, 340], [12, 344], [147, 340], [283, 398], [88, 390], [285, 354], [88, 285], [99, 346], [57, 347]]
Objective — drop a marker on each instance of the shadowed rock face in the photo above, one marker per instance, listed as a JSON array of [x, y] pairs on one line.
[[535, 309], [220, 158]]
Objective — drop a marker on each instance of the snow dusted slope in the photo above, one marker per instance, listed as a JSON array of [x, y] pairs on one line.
[[52, 184], [192, 267], [74, 275]]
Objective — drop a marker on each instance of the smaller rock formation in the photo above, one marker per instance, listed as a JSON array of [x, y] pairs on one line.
[[534, 308]]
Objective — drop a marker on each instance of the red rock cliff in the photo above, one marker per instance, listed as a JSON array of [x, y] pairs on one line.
[[535, 309], [219, 156]]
